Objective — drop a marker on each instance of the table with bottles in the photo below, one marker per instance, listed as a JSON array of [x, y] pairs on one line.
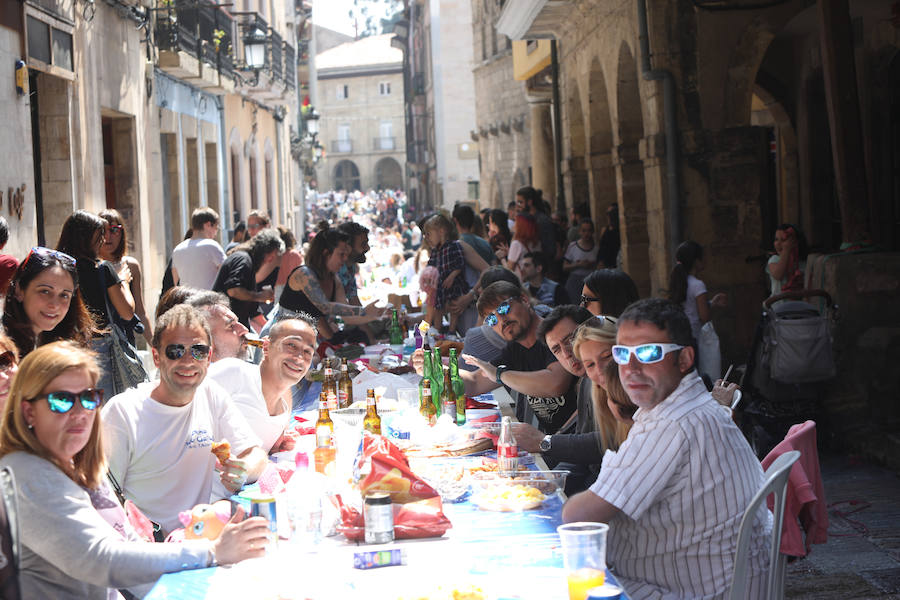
[[494, 555]]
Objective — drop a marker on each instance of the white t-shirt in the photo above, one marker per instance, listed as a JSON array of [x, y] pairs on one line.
[[695, 287], [575, 253], [244, 382], [197, 261], [160, 454]]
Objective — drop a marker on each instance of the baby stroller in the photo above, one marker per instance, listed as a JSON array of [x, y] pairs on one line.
[[790, 362]]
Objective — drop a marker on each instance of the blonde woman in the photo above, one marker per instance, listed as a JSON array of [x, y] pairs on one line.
[[593, 344], [76, 540]]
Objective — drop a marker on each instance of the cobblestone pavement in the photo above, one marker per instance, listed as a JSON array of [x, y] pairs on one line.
[[862, 556]]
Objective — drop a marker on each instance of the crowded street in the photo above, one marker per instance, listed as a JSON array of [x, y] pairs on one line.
[[450, 300]]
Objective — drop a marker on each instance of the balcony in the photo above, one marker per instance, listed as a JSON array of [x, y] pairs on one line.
[[195, 43], [341, 146], [384, 143], [290, 67]]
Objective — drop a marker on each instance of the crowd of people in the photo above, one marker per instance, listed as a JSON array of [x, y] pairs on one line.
[[605, 384]]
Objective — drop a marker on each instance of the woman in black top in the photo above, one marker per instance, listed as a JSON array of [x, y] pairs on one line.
[[81, 237], [314, 287]]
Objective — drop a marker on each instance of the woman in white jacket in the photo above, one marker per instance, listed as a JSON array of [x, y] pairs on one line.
[[76, 541]]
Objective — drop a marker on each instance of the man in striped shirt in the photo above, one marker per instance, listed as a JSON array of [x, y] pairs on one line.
[[676, 490]]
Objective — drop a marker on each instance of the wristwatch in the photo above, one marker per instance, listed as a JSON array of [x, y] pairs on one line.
[[545, 443], [500, 370]]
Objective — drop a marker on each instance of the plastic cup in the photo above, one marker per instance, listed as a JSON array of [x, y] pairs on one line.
[[408, 397], [584, 556]]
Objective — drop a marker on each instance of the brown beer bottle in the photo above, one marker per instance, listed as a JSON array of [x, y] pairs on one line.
[[325, 451], [371, 422], [329, 386], [345, 386]]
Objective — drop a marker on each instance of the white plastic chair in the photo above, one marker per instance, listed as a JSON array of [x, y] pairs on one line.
[[775, 483]]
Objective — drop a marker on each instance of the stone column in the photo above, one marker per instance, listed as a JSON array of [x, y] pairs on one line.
[[543, 175]]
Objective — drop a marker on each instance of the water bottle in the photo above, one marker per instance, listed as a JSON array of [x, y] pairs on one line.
[[304, 494]]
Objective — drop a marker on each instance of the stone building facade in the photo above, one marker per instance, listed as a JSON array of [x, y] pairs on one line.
[[717, 125], [151, 111], [503, 116], [360, 97]]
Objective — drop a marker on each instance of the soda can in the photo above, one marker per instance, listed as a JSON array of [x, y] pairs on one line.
[[263, 505]]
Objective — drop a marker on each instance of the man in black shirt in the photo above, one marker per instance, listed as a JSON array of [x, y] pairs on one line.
[[243, 272], [525, 366]]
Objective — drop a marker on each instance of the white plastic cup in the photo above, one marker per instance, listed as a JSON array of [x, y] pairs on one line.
[[408, 397]]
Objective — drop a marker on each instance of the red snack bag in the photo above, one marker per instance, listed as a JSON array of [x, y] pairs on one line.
[[389, 472], [422, 519]]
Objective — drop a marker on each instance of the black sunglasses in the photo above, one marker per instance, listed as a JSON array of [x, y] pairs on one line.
[[585, 300], [7, 360], [176, 351], [115, 228], [62, 402]]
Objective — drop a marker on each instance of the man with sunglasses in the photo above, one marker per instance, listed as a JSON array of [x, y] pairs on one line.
[[159, 434], [675, 491], [542, 385], [263, 392]]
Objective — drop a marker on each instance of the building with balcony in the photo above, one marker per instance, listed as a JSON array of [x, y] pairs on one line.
[[151, 108], [360, 97]]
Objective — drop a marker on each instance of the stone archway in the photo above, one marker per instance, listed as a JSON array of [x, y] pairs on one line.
[[630, 172], [601, 172], [346, 176], [388, 174], [574, 169]]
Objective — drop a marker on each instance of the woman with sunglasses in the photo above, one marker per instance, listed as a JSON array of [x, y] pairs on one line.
[[76, 540], [43, 304], [113, 250], [608, 292], [9, 365], [592, 345], [81, 237]]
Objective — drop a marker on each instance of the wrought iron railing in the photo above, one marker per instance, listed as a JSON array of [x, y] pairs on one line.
[[383, 143], [276, 58], [199, 28], [290, 66]]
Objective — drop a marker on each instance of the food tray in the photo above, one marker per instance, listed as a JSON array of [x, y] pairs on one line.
[[547, 482]]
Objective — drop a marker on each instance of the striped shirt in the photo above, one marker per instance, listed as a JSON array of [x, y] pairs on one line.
[[682, 480]]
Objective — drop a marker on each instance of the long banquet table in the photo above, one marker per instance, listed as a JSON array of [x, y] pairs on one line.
[[508, 555]]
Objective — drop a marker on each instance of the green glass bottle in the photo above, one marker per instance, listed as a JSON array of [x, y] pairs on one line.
[[396, 334], [459, 388], [426, 376], [437, 376]]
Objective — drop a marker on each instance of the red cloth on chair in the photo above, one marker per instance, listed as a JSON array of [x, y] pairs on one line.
[[805, 505]]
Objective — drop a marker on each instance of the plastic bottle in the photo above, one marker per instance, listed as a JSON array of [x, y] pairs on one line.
[[507, 450], [304, 493]]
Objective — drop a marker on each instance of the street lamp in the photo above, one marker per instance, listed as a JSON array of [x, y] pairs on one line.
[[312, 122], [255, 51]]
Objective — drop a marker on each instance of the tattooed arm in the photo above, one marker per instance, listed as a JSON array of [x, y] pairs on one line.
[[301, 281]]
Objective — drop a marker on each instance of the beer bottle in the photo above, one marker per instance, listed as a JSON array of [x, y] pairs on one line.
[[345, 386], [448, 397], [437, 374], [329, 386], [426, 406], [371, 422], [459, 388], [395, 332], [325, 452], [426, 374]]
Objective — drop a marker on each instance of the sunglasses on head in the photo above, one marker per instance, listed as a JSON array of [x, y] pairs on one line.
[[45, 253], [645, 353], [176, 351], [501, 311], [62, 402], [7, 360]]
